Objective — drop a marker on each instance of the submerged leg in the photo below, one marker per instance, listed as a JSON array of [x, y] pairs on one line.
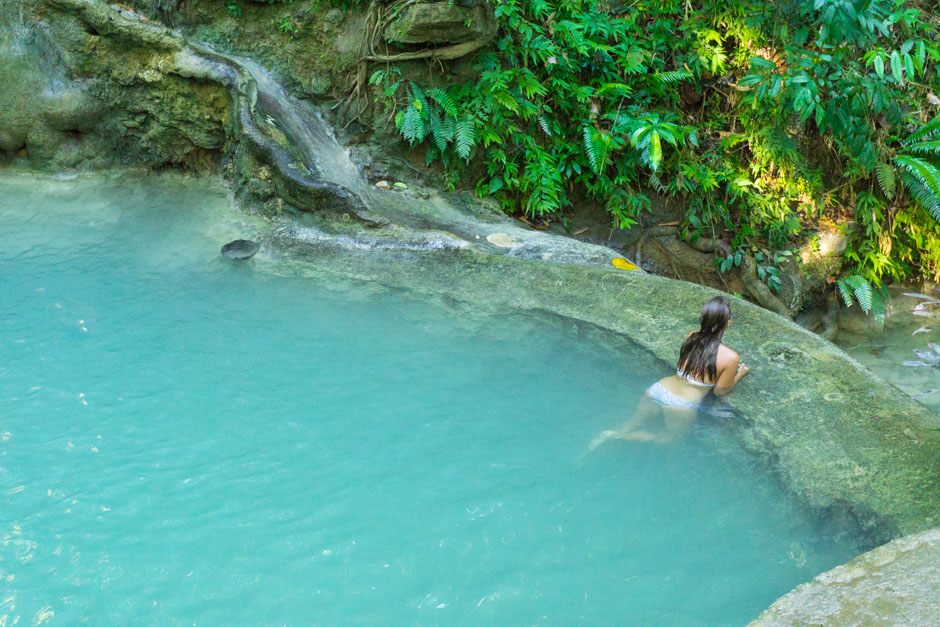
[[645, 410], [678, 421]]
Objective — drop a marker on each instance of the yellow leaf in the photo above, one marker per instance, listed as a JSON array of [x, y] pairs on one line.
[[623, 264]]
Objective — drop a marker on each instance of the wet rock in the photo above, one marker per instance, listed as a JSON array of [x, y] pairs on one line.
[[318, 85], [332, 19], [240, 249], [438, 22], [895, 584], [822, 256]]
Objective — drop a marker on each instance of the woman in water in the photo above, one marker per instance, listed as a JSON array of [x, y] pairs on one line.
[[705, 365]]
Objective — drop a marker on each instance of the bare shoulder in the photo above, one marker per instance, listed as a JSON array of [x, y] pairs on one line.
[[727, 357]]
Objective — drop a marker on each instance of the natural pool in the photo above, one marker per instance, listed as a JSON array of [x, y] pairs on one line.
[[884, 351], [189, 440]]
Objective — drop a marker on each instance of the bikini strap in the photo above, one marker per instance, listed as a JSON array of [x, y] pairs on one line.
[[693, 380]]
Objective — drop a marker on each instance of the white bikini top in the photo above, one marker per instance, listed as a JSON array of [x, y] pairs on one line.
[[693, 380]]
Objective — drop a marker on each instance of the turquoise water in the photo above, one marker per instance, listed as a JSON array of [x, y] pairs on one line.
[[188, 440]]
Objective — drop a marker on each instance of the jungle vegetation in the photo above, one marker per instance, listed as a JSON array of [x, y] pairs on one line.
[[765, 118]]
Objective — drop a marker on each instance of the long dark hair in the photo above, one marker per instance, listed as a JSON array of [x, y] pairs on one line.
[[698, 356]]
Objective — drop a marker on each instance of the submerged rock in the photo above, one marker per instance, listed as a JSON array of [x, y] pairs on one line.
[[240, 249]]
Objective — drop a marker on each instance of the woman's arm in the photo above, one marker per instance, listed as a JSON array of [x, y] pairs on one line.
[[733, 372]]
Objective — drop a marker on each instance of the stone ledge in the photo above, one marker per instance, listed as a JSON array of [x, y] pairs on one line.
[[896, 584]]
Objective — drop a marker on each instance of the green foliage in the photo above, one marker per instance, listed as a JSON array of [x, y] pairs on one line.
[[569, 101], [857, 289], [768, 269], [233, 8], [919, 172], [762, 117], [285, 25]]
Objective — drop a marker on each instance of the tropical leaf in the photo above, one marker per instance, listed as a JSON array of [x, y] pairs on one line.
[[411, 124], [896, 67], [617, 89], [544, 125], [656, 150], [445, 101], [846, 292], [666, 78], [886, 179], [925, 187], [465, 136], [856, 288], [930, 147], [927, 131], [589, 148]]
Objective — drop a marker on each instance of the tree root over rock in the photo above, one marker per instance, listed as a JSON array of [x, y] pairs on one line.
[[378, 17], [758, 289]]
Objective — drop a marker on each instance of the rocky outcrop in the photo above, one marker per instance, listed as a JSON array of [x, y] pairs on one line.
[[895, 584], [439, 23], [82, 89]]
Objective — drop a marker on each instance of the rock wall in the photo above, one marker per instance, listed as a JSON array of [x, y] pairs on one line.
[[77, 96]]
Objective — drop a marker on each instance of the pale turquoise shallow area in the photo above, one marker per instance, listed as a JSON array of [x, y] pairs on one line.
[[188, 440]]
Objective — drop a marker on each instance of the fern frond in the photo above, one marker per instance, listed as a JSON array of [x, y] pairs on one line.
[[618, 89], [438, 132], [924, 132], [927, 176], [920, 194], [886, 179], [929, 147], [856, 288], [506, 100], [543, 123], [420, 100], [863, 293], [448, 128], [444, 99], [846, 292], [666, 78], [411, 125], [590, 149], [465, 136]]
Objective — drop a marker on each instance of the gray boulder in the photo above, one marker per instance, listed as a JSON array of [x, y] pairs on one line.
[[896, 584], [240, 249], [438, 23]]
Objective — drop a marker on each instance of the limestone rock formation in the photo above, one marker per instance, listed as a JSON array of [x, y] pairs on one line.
[[896, 584], [438, 23]]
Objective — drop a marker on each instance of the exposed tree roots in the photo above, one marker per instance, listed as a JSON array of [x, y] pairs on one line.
[[378, 17]]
